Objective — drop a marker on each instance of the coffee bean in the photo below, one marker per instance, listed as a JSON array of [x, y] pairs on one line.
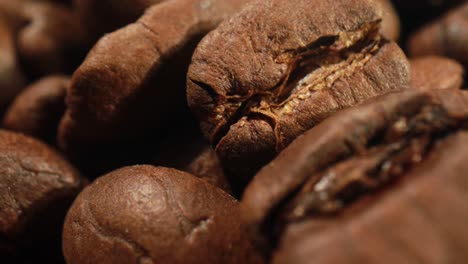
[[37, 110], [36, 188], [446, 36], [433, 72], [374, 183], [12, 79], [146, 214], [279, 67], [52, 41], [49, 37], [350, 173]]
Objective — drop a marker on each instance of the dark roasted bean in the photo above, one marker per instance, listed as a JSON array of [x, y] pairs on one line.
[[367, 180], [279, 67]]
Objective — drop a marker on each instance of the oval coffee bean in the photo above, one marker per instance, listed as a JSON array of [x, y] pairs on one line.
[[37, 110], [280, 67], [375, 183], [12, 79], [446, 36], [36, 188], [433, 72], [146, 214]]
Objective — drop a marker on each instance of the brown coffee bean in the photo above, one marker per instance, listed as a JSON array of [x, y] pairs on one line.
[[446, 36], [132, 84], [376, 183], [280, 67], [104, 16], [49, 37], [52, 41], [11, 76], [146, 214], [37, 110], [433, 72], [36, 188], [410, 225]]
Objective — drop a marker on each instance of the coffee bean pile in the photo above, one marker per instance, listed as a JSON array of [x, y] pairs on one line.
[[233, 131]]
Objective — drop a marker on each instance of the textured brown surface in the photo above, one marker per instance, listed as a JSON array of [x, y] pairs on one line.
[[446, 36], [11, 77], [433, 72], [36, 187], [133, 80], [146, 214], [37, 110], [408, 225], [280, 67], [378, 180]]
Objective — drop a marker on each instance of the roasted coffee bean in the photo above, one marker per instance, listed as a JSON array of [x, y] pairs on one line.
[[49, 37], [104, 16], [53, 41], [36, 188], [146, 214], [37, 110], [379, 183], [434, 72], [446, 36], [132, 84], [11, 76], [279, 67]]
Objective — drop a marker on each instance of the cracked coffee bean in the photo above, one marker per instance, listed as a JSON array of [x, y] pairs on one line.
[[146, 214], [446, 36], [433, 72], [378, 183], [280, 67], [37, 110], [36, 188], [132, 84]]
